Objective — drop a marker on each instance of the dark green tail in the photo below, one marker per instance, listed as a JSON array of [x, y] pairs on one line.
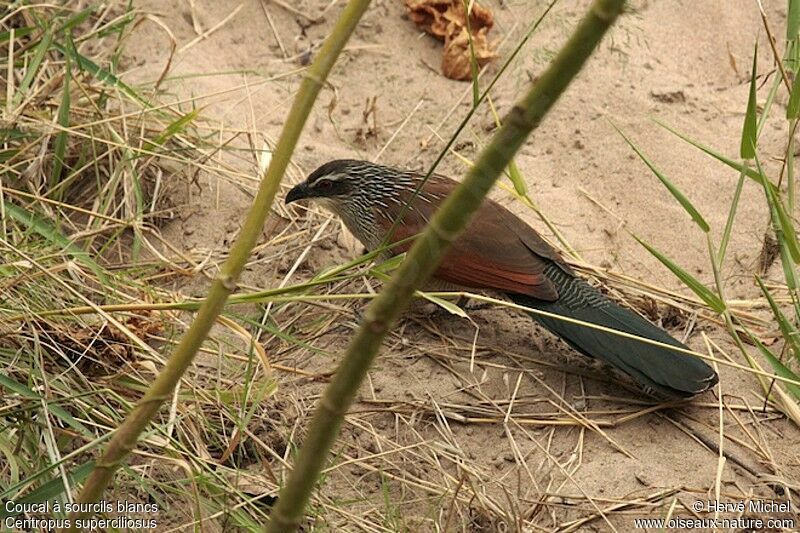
[[659, 370]]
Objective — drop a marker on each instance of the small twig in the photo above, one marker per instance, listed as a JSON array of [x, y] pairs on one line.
[[452, 508], [710, 443], [274, 30], [398, 130], [771, 39], [211, 30], [290, 9], [198, 29], [575, 524]]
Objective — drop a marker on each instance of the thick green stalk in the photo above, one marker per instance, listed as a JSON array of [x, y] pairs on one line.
[[126, 435], [424, 256], [791, 187]]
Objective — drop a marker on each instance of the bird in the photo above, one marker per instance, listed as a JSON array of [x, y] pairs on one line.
[[500, 253]]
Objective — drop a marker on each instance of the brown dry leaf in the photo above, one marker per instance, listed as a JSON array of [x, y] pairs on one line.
[[457, 60], [427, 15], [446, 20]]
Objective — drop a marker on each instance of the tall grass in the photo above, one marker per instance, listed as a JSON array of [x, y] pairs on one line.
[[90, 169], [779, 197]]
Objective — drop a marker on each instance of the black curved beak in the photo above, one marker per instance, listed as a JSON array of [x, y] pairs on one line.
[[298, 192]]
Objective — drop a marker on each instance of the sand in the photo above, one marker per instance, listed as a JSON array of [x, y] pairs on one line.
[[416, 459]]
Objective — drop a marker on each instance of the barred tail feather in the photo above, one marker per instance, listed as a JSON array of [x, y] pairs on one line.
[[657, 369]]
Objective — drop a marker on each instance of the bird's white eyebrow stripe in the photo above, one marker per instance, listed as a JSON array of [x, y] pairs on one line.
[[329, 177]]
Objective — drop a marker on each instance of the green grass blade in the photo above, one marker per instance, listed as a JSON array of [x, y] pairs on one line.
[[43, 227], [383, 270], [473, 61], [139, 205], [767, 106], [779, 368], [520, 187], [726, 233], [790, 334], [33, 67], [78, 18], [791, 185], [57, 411], [781, 218], [793, 108], [98, 72], [788, 268], [749, 172], [786, 225], [793, 20], [10, 457], [676, 193], [14, 134], [5, 155], [749, 133], [119, 27], [18, 32], [174, 128], [60, 142], [447, 305], [512, 171], [703, 292], [51, 489], [786, 261], [9, 135]]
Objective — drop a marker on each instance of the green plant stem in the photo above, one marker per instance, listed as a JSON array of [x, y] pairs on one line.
[[424, 256], [788, 404], [726, 234], [716, 266], [125, 437], [790, 183]]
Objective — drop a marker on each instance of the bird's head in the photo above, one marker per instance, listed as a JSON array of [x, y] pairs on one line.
[[335, 181], [357, 191]]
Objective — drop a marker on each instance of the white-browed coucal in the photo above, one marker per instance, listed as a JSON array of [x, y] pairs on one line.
[[501, 253]]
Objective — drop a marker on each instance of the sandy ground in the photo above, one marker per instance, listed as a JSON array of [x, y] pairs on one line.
[[416, 466]]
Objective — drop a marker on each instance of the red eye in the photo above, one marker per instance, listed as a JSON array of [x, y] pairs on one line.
[[325, 185]]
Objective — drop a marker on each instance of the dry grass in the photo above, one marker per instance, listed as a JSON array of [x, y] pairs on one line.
[[92, 296]]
